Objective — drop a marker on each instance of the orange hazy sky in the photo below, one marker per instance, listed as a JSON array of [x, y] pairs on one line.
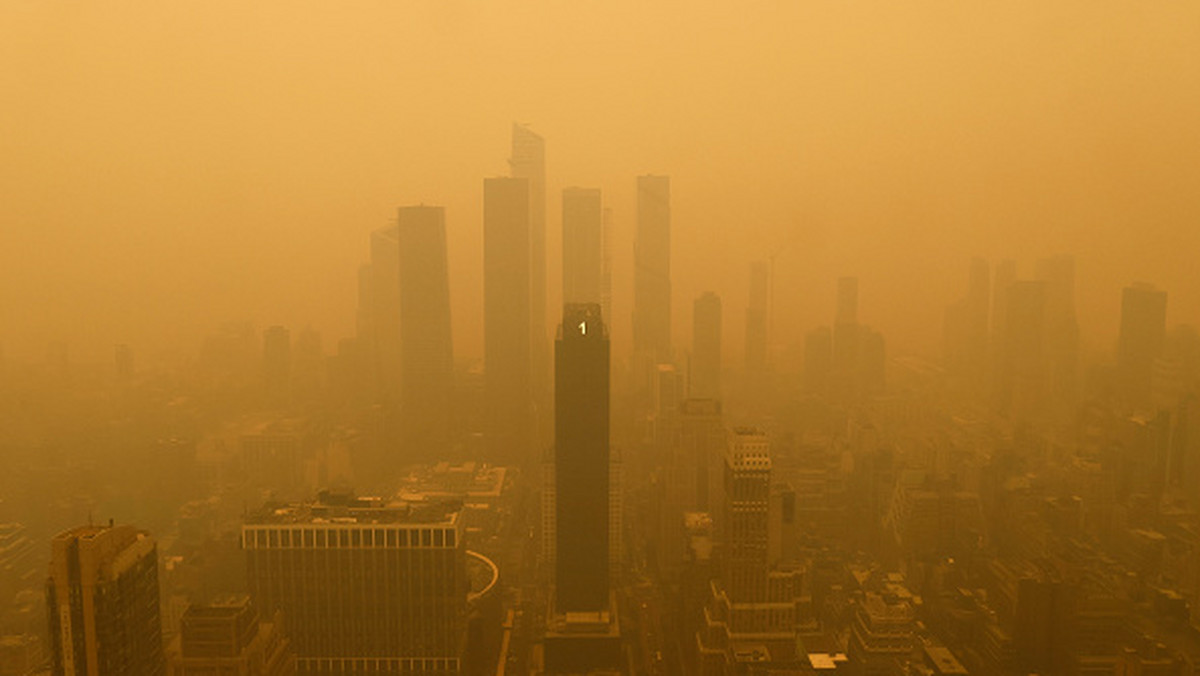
[[168, 166]]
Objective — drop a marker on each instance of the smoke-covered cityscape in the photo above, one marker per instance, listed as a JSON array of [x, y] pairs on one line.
[[766, 341]]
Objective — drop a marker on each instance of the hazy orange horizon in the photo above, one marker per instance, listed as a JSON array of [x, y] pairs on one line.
[[169, 167]]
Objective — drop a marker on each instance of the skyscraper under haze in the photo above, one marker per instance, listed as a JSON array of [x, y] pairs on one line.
[[966, 332], [581, 461], [102, 603], [583, 245], [747, 496], [1005, 275], [846, 331], [427, 352], [1140, 341], [705, 380], [652, 271], [583, 631], [528, 161], [1023, 372], [1061, 334], [380, 324], [818, 361], [508, 390]]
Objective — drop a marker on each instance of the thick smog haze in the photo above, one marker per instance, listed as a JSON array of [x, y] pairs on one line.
[[171, 166], [527, 338]]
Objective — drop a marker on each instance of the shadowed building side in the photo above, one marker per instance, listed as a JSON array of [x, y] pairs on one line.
[[581, 442]]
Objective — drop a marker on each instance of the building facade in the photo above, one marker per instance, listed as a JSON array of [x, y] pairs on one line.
[[102, 603], [365, 586]]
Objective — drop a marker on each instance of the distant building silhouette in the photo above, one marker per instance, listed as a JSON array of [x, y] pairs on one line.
[[857, 354], [1061, 336], [705, 376], [702, 446], [845, 340], [1023, 369], [1005, 275], [508, 387], [652, 271], [528, 161], [102, 603], [379, 317], [427, 351], [582, 246], [966, 333], [365, 585], [1140, 341], [818, 361]]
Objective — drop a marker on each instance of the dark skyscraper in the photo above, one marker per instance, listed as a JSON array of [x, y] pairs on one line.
[[508, 391], [102, 603], [652, 271], [528, 161], [1140, 342], [581, 461], [427, 352], [583, 246], [705, 381]]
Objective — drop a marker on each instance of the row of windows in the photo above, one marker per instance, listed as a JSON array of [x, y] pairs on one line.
[[364, 665], [348, 538]]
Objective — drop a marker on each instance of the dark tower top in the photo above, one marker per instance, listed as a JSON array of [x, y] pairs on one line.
[[581, 460]]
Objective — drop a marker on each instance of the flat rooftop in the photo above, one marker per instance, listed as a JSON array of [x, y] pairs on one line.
[[332, 508]]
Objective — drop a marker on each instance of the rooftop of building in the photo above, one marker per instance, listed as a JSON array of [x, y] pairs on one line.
[[888, 606], [341, 507], [827, 661], [223, 605], [940, 658], [467, 480]]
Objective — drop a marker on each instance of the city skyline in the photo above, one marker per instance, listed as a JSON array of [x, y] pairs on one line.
[[620, 339]]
